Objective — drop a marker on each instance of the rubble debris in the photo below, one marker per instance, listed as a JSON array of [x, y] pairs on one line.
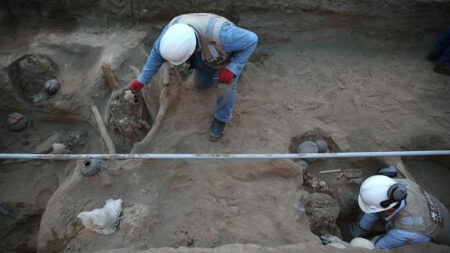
[[322, 146], [17, 122], [90, 167]]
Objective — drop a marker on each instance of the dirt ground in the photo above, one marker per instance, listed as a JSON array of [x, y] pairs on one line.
[[357, 87]]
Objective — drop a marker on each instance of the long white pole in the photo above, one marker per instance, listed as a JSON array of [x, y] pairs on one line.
[[223, 156]]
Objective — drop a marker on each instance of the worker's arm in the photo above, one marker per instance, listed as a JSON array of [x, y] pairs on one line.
[[154, 62], [396, 238], [241, 43], [368, 221]]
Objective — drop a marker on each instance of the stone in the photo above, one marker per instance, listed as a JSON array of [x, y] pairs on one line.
[[322, 146], [307, 147]]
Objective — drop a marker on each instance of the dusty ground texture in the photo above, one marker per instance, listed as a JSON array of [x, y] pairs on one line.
[[354, 74]]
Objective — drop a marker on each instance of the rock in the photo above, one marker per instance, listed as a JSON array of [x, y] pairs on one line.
[[90, 167], [303, 165], [307, 147], [322, 146], [17, 122]]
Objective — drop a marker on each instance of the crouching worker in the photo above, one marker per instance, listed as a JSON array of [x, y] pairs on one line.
[[212, 45], [412, 214]]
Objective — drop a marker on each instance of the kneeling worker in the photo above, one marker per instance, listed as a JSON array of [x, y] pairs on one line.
[[412, 214], [212, 45]]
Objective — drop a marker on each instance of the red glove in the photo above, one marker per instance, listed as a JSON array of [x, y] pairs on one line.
[[136, 86], [225, 76]]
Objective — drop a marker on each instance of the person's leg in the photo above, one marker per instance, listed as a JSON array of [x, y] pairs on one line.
[[226, 98], [443, 66], [225, 104], [441, 46]]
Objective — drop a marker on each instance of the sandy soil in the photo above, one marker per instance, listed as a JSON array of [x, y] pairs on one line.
[[359, 92]]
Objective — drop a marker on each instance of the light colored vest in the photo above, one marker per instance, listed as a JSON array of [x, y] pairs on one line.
[[422, 214], [208, 28]]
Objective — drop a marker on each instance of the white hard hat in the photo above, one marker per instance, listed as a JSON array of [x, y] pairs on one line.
[[374, 190], [178, 43]]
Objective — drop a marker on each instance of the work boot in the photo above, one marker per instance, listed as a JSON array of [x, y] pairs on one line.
[[217, 129], [442, 69], [433, 56]]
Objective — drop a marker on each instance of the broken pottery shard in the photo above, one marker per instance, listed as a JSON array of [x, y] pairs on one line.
[[322, 146], [17, 122]]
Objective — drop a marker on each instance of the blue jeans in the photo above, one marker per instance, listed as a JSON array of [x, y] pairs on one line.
[[443, 47], [206, 77]]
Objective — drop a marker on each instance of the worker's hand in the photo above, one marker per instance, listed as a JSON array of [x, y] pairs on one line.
[[327, 239], [225, 76], [136, 86], [357, 231]]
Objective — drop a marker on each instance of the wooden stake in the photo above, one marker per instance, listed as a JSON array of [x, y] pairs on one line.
[[101, 126], [110, 77], [168, 94]]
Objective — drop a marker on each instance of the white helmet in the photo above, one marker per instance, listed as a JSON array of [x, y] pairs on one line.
[[178, 43], [374, 190]]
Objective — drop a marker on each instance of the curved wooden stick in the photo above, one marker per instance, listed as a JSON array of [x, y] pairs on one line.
[[168, 94]]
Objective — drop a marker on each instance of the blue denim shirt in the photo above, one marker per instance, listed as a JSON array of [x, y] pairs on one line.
[[233, 39], [395, 237]]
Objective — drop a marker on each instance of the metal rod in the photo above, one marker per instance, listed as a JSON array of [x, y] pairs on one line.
[[224, 156]]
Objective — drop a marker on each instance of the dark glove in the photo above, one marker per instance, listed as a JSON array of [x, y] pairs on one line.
[[225, 76], [357, 231], [136, 86]]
